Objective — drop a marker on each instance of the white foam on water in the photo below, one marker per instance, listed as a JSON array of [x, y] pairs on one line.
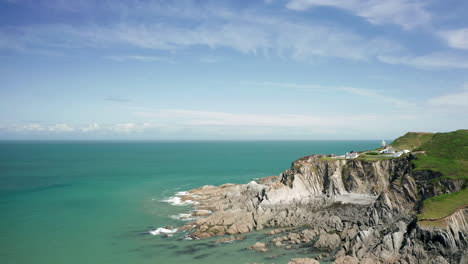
[[175, 200], [162, 230], [185, 217]]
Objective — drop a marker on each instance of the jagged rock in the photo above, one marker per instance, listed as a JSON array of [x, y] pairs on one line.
[[259, 247], [308, 234], [346, 260], [328, 241], [363, 209], [303, 261], [201, 213]]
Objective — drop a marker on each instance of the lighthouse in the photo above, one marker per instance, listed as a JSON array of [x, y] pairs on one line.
[[384, 144]]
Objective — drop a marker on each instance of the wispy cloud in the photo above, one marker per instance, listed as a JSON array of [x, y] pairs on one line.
[[431, 60], [406, 13], [457, 38], [248, 32], [314, 87], [197, 119], [141, 58], [117, 99], [456, 100], [210, 59], [369, 93]]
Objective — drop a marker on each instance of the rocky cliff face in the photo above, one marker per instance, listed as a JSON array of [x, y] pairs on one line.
[[316, 175], [367, 207]]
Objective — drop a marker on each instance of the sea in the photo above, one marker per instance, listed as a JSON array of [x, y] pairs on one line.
[[116, 202]]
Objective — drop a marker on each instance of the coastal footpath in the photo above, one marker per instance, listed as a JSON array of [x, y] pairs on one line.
[[362, 210]]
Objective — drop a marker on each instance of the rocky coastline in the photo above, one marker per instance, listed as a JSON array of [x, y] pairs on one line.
[[357, 211]]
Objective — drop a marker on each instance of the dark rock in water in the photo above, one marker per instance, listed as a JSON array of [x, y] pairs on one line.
[[230, 239], [202, 256]]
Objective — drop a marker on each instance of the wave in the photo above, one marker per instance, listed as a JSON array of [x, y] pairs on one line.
[[176, 200], [162, 231], [185, 217]]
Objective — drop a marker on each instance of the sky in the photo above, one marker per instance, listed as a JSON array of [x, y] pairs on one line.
[[232, 70]]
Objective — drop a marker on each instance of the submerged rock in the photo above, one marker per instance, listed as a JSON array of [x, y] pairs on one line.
[[303, 261], [259, 246]]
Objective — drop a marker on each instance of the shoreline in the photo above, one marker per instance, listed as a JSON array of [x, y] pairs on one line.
[[344, 208]]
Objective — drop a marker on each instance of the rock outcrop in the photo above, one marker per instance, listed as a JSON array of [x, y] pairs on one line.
[[360, 210]]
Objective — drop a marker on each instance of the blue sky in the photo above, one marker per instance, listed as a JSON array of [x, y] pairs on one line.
[[277, 69]]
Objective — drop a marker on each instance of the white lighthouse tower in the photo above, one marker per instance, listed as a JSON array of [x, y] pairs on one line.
[[384, 144]]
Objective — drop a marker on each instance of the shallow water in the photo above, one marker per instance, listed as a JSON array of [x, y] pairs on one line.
[[94, 202]]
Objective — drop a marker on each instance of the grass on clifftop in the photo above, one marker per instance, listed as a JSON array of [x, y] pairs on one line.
[[411, 140], [449, 168], [451, 145], [446, 153], [443, 205]]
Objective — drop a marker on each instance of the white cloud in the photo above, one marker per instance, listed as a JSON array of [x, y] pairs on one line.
[[129, 127], [29, 127], [457, 38], [431, 60], [61, 128], [90, 128], [406, 13], [35, 127]]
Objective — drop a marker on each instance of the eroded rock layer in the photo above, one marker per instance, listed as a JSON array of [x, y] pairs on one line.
[[362, 211]]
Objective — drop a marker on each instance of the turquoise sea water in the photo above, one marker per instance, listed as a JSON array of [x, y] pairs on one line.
[[93, 202]]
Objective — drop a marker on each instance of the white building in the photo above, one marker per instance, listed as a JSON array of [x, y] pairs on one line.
[[351, 155], [383, 144], [388, 150]]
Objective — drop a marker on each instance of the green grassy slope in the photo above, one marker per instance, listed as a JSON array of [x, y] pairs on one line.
[[446, 153], [411, 140], [451, 145], [443, 205]]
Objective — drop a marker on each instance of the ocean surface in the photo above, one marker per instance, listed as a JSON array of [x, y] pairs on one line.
[[94, 202]]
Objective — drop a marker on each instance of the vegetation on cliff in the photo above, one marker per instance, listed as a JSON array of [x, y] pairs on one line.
[[444, 153], [412, 140], [443, 205]]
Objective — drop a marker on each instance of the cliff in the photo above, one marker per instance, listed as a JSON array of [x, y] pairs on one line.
[[360, 209]]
